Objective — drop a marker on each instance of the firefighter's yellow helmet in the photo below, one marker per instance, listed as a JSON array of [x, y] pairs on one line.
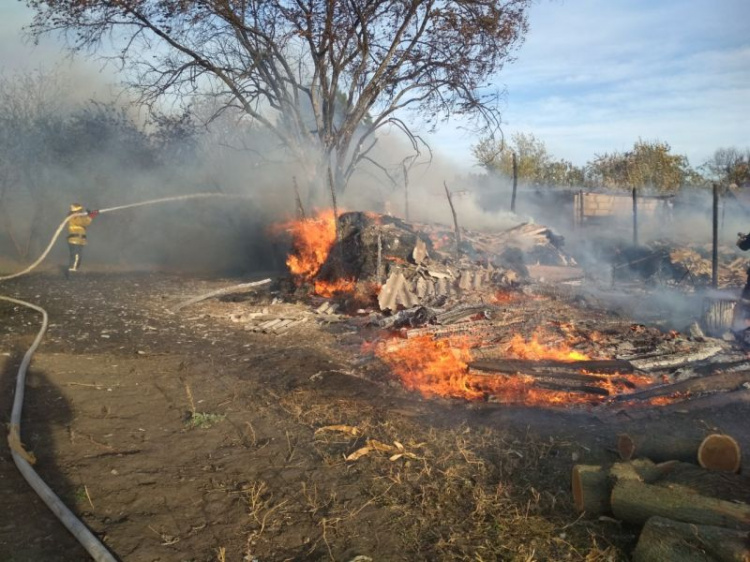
[[76, 208]]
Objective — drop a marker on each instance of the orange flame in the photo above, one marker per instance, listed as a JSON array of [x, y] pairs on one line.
[[433, 367], [330, 288], [312, 240], [535, 350], [440, 367]]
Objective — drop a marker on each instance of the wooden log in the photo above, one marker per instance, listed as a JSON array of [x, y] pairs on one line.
[[660, 447], [723, 382], [663, 539], [635, 502], [720, 452], [694, 479], [713, 452], [592, 485], [591, 489]]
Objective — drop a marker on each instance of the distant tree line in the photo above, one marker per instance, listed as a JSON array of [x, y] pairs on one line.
[[649, 165], [54, 151]]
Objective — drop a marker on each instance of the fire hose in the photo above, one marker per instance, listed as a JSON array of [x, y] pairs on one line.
[[21, 457]]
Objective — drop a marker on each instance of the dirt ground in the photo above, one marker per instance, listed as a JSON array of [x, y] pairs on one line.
[[183, 437]]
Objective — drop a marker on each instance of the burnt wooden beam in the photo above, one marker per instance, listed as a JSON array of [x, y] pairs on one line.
[[593, 366], [723, 382], [587, 389]]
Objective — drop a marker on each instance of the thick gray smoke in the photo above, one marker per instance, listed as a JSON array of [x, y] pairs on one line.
[[59, 148]]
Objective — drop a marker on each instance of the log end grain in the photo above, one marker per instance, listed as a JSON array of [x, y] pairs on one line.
[[590, 489], [720, 452], [625, 446]]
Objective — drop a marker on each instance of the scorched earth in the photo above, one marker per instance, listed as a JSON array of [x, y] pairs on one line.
[[185, 436]]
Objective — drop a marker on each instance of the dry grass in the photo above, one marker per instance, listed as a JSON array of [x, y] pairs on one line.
[[460, 494]]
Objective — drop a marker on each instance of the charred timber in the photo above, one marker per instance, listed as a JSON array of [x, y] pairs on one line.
[[531, 371], [723, 382], [599, 366]]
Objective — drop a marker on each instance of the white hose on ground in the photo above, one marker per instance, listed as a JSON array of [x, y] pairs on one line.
[[82, 534], [21, 457], [109, 210]]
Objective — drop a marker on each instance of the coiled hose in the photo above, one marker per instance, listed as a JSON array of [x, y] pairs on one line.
[[21, 457]]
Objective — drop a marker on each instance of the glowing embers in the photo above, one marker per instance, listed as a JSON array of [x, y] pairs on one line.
[[312, 240]]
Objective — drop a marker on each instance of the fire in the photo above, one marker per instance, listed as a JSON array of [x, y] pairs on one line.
[[440, 367], [312, 240], [433, 367], [535, 350], [330, 288]]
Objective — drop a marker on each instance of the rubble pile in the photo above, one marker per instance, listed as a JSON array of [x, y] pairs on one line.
[[685, 265], [422, 264], [695, 263]]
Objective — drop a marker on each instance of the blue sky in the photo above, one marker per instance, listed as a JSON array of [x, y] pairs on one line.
[[593, 76]]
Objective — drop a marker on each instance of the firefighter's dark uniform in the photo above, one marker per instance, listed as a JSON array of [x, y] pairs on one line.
[[741, 317], [77, 235]]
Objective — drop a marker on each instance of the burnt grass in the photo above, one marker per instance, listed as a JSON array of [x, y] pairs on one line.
[[184, 437]]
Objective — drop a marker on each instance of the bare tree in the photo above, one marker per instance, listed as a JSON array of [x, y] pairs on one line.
[[321, 75], [729, 165]]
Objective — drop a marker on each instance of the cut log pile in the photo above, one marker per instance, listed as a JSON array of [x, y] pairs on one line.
[[688, 512]]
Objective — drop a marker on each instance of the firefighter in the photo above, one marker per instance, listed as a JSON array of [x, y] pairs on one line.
[[77, 233]]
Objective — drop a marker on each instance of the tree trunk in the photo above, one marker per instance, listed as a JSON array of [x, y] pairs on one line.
[[635, 502], [406, 191], [663, 539]]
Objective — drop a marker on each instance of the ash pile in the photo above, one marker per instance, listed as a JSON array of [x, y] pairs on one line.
[[429, 265]]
